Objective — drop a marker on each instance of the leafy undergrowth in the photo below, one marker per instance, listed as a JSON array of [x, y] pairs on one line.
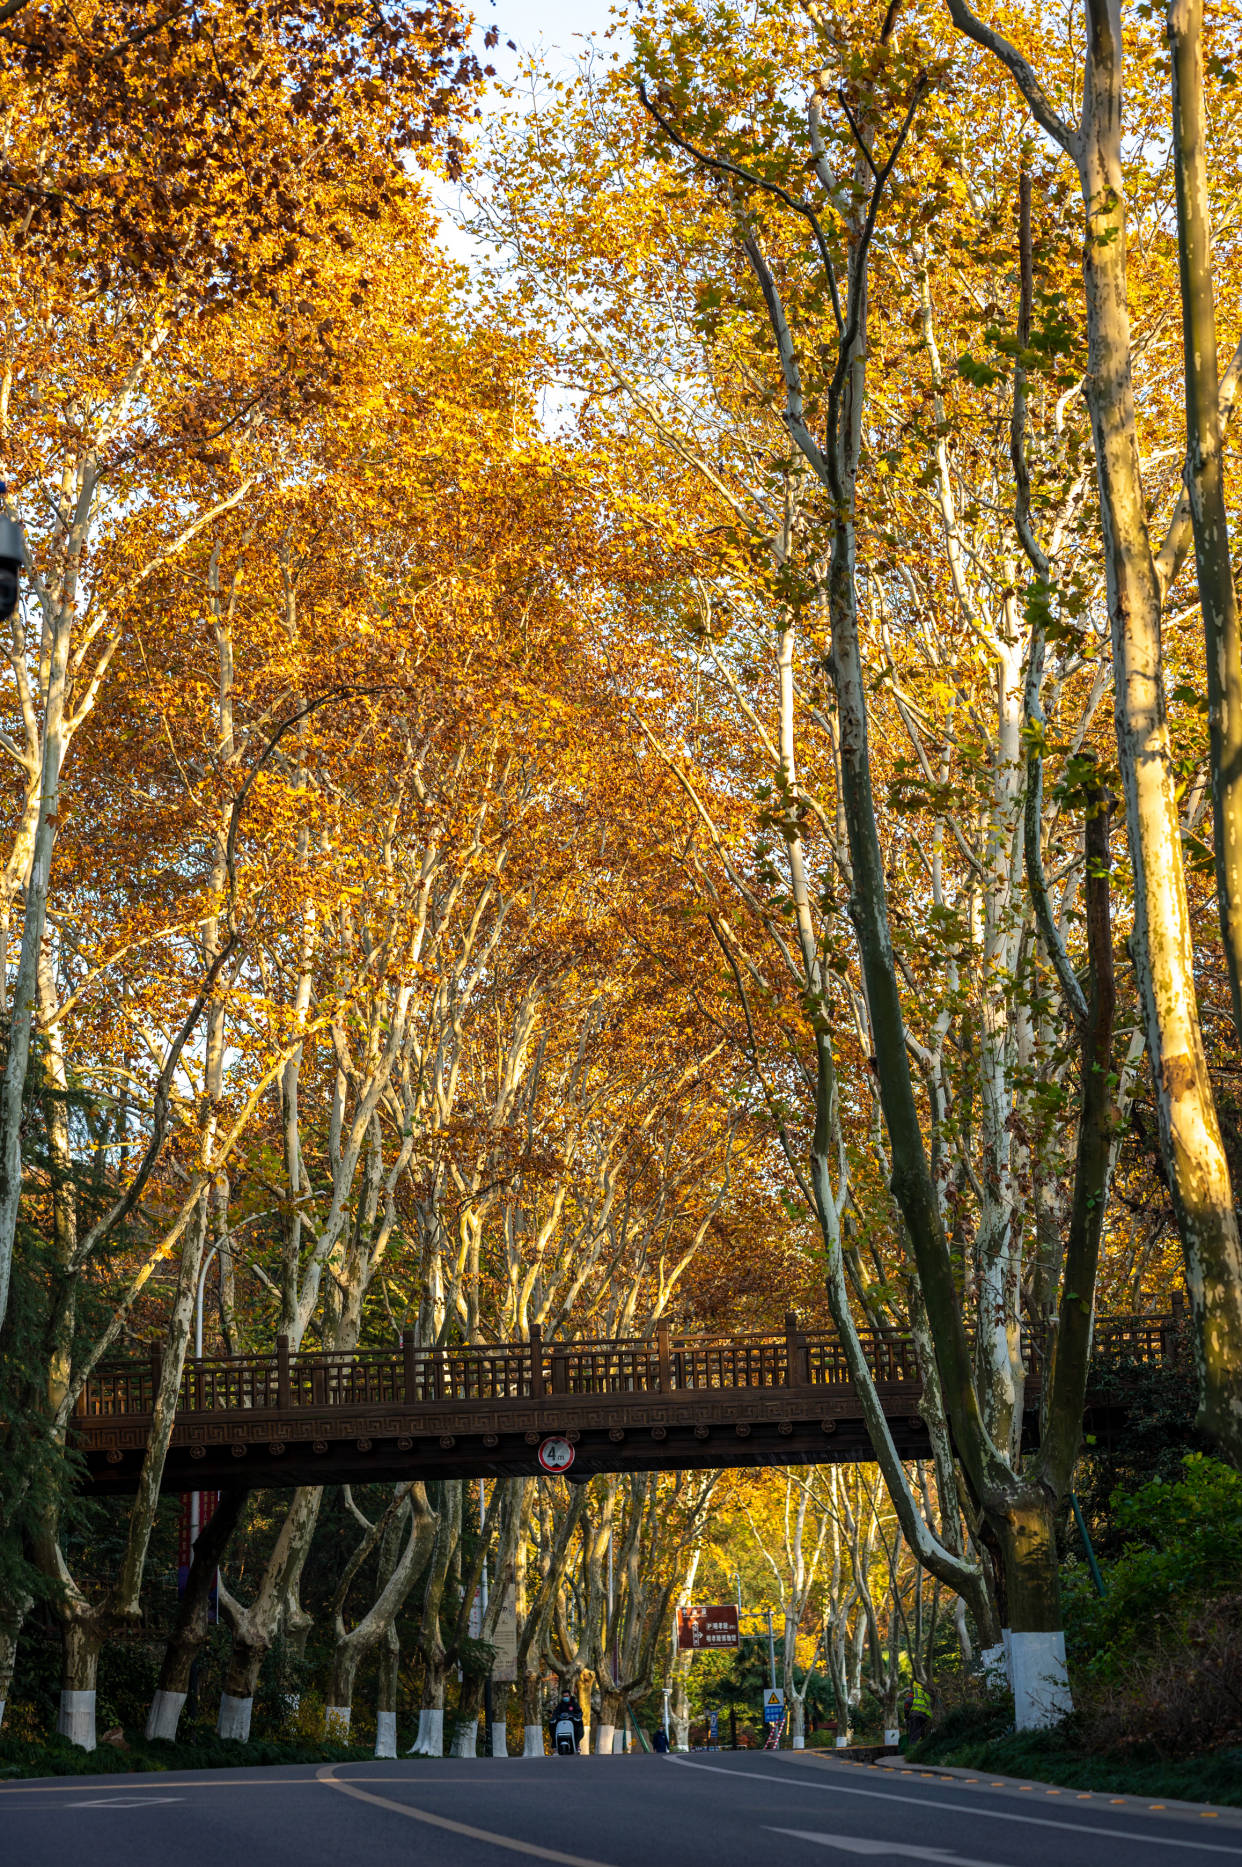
[[57, 1757], [982, 1739], [1155, 1664]]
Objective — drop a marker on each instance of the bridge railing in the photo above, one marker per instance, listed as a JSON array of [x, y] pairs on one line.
[[534, 1370]]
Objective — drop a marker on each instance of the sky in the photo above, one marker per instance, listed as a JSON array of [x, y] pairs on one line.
[[558, 30], [554, 22]]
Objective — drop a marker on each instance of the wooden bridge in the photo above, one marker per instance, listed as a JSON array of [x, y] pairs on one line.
[[658, 1402]]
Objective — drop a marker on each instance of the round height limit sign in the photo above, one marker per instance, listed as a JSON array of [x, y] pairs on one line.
[[556, 1455]]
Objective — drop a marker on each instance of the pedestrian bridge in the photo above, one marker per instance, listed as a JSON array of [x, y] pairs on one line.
[[655, 1402]]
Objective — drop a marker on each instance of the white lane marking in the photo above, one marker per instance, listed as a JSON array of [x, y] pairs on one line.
[[350, 1788], [966, 1808], [856, 1844], [284, 1782], [123, 1802]]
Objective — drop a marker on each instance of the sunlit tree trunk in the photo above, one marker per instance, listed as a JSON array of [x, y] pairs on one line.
[[1205, 475]]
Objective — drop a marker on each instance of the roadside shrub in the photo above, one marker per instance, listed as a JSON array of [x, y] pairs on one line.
[[1183, 1550], [1183, 1699]]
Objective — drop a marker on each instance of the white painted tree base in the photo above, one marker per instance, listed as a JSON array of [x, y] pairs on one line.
[[994, 1665], [336, 1721], [892, 1735], [799, 1743], [1, 1713], [164, 1716], [842, 1743], [1041, 1688], [605, 1740], [533, 1746], [430, 1739], [385, 1733], [500, 1738], [234, 1719], [466, 1740], [621, 1742], [77, 1718]]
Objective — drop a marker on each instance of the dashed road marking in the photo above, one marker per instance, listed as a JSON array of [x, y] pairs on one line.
[[1161, 1840]]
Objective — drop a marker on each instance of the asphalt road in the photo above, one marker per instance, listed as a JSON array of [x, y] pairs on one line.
[[709, 1810]]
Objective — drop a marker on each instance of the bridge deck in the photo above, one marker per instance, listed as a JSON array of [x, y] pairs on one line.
[[642, 1404]]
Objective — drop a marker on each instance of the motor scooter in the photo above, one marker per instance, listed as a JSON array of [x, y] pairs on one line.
[[565, 1738]]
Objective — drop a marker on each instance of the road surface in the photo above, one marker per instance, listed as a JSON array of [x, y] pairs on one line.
[[713, 1809]]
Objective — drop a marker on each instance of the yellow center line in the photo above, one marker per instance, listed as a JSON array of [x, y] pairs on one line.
[[324, 1775]]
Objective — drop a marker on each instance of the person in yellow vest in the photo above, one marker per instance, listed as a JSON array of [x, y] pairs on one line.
[[918, 1714]]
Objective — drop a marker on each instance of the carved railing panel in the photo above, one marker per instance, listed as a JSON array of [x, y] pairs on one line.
[[658, 1364]]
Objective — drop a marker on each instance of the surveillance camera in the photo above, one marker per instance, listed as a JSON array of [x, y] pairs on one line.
[[12, 557]]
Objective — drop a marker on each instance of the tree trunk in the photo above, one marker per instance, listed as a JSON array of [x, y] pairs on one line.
[[611, 1721], [532, 1715], [21, 1009], [1205, 478], [797, 1722], [398, 1578], [189, 1628], [1191, 1146], [12, 1615], [81, 1638], [254, 1628], [1194, 1154], [679, 1713], [386, 1696], [499, 1724], [430, 1739], [1035, 1640], [469, 1705]]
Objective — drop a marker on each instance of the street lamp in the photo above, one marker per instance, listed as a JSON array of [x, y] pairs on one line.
[[12, 557]]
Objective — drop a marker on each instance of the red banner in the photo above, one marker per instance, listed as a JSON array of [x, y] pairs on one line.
[[207, 1501], [700, 1628]]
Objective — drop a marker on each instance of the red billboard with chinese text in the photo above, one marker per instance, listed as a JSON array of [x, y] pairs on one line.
[[701, 1628]]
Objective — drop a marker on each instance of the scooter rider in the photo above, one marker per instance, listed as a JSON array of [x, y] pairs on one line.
[[568, 1712]]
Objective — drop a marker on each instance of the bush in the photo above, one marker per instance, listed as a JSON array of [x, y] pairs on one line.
[[57, 1757], [1180, 1700], [1183, 1550]]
